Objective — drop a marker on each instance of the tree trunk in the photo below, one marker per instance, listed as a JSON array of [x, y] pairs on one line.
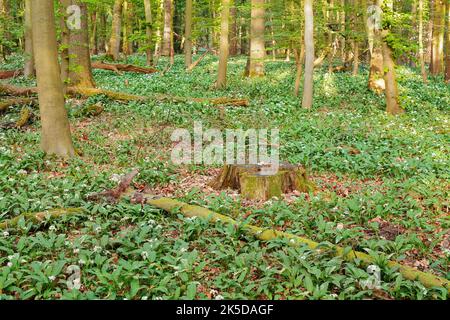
[[168, 33], [55, 135], [94, 34], [29, 60], [447, 44], [148, 30], [421, 53], [234, 32], [224, 46], [300, 60], [4, 27], [114, 42], [257, 46], [391, 91], [376, 81], [102, 32], [188, 34], [309, 58], [127, 45], [65, 42], [80, 71], [437, 47]]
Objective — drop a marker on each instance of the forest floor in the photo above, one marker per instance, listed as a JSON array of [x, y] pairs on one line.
[[382, 188]]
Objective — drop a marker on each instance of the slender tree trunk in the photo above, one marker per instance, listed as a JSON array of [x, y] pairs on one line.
[[355, 40], [4, 27], [343, 29], [188, 34], [29, 59], [309, 58], [80, 71], [102, 32], [391, 91], [437, 49], [114, 42], [376, 81], [94, 34], [55, 134], [447, 44], [421, 53], [257, 46], [234, 32], [127, 45], [167, 35], [298, 76], [149, 30], [65, 42], [224, 46]]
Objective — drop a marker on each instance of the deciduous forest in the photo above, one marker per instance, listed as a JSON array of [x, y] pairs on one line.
[[224, 149]]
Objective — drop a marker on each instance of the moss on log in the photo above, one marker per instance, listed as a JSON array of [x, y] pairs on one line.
[[5, 104], [175, 206], [6, 89], [123, 67], [25, 116], [39, 216]]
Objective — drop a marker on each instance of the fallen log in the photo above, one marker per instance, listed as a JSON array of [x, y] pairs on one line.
[[10, 73], [7, 89], [190, 211], [122, 67], [40, 216], [5, 104], [121, 96]]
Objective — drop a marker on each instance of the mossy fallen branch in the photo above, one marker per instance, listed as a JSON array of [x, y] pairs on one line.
[[39, 216], [5, 104], [122, 96], [10, 74], [122, 67], [173, 206]]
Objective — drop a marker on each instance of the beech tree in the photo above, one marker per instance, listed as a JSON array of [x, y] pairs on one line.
[[224, 45], [29, 59], [114, 42], [257, 45], [55, 133], [80, 70], [309, 55]]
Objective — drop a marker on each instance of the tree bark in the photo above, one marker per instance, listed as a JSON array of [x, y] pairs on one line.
[[114, 42], [29, 59], [224, 45], [233, 32], [421, 51], [55, 134], [447, 44], [188, 34], [437, 47], [148, 31], [257, 46], [80, 71], [309, 58], [65, 40], [300, 60], [127, 46], [391, 91], [168, 32], [376, 81]]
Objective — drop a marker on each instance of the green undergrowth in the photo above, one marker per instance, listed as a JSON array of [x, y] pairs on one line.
[[370, 168]]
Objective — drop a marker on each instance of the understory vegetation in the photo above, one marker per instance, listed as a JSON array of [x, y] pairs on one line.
[[382, 188]]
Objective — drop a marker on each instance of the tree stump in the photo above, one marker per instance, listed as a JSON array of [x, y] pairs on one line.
[[255, 183]]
